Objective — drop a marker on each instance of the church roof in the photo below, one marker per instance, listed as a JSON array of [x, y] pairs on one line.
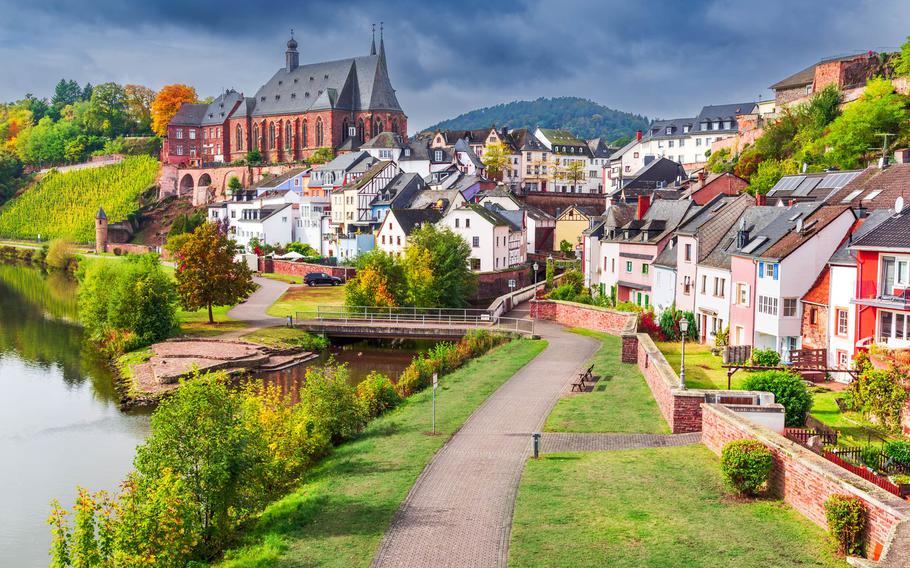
[[356, 84]]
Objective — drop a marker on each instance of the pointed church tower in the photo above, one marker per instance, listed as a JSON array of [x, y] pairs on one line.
[[373, 44], [291, 57], [381, 44]]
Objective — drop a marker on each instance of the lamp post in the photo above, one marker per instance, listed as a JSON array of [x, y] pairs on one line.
[[683, 328], [535, 267]]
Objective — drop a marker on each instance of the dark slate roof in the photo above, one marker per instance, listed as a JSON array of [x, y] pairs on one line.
[[661, 218], [400, 190], [525, 141], [463, 146], [356, 84], [813, 223], [221, 108], [489, 215], [600, 149], [410, 219], [719, 221], [189, 114], [273, 181], [515, 218], [345, 162], [385, 140], [843, 255], [658, 128], [724, 112], [660, 172], [892, 233], [667, 257], [755, 218]]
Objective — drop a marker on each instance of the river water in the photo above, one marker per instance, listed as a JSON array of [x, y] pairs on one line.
[[60, 423]]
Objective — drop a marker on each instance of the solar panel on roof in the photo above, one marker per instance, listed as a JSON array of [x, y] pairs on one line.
[[806, 186], [788, 183], [754, 244], [838, 180]]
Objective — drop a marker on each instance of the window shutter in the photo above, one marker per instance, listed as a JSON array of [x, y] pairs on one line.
[[761, 269], [775, 271]]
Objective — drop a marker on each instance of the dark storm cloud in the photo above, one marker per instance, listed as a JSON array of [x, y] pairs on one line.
[[658, 58]]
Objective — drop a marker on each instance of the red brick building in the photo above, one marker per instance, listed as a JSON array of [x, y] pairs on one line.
[[336, 104]]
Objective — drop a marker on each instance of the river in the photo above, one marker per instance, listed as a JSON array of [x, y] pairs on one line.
[[60, 423]]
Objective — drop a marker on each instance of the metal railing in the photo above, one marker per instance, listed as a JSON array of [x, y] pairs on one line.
[[425, 316]]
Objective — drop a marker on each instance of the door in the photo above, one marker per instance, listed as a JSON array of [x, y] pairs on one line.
[[887, 276]]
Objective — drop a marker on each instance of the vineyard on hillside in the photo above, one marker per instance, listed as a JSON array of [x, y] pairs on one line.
[[65, 204]]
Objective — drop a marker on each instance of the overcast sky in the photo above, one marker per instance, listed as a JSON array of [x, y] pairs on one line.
[[661, 59]]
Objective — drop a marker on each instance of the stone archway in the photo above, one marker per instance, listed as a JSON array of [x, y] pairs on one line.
[[186, 185], [221, 193]]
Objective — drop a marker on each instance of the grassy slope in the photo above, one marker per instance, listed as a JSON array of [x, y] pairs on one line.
[[620, 402], [703, 370], [281, 337], [304, 298], [655, 508], [338, 516]]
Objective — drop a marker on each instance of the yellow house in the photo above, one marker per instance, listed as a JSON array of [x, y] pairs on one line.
[[571, 223]]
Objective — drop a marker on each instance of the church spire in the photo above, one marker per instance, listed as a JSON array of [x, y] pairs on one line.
[[373, 44], [291, 57], [381, 42]]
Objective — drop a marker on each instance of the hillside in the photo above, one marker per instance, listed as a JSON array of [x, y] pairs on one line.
[[583, 117], [64, 204]]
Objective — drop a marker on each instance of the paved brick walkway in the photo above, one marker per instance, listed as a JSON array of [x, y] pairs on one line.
[[253, 309], [555, 442], [459, 512]]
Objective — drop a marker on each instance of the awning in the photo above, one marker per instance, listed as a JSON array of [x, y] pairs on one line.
[[634, 285]]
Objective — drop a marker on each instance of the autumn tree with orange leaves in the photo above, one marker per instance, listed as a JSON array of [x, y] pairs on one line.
[[166, 104], [380, 281]]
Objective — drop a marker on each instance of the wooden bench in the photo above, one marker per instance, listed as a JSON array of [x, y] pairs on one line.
[[588, 375]]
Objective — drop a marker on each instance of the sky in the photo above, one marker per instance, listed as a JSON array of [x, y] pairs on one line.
[[663, 59]]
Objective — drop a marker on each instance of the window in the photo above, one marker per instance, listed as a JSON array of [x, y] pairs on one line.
[[644, 268], [698, 141], [437, 156], [671, 143], [383, 239], [767, 305], [239, 138], [179, 149], [179, 133], [287, 135], [271, 136], [841, 316], [467, 223], [843, 359], [634, 155], [688, 251], [704, 283], [628, 266], [385, 154], [719, 285], [192, 134], [398, 240], [613, 265], [813, 315], [903, 272], [789, 307], [475, 242], [319, 137], [475, 263], [457, 222]]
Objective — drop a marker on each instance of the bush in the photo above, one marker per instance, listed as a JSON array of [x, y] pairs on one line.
[[647, 324], [846, 516], [746, 465], [880, 393], [377, 394], [669, 324], [898, 451], [564, 292], [444, 358], [332, 403], [789, 390], [765, 358], [60, 254]]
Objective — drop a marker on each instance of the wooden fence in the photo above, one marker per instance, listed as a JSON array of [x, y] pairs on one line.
[[802, 435]]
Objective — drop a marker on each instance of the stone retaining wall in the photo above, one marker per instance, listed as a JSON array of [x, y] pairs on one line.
[[805, 480], [572, 314]]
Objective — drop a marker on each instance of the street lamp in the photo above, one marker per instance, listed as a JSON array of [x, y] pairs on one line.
[[535, 267], [683, 328]]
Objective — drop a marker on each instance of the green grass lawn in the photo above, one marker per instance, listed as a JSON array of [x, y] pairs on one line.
[[197, 323], [853, 429], [703, 370], [290, 279], [338, 516], [620, 402], [283, 337], [655, 508], [306, 298]]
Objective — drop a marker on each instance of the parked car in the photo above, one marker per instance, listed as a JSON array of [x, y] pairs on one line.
[[316, 278]]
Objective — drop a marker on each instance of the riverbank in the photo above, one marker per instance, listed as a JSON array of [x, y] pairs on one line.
[[338, 516]]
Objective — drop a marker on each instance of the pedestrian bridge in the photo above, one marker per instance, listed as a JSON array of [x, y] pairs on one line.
[[406, 323]]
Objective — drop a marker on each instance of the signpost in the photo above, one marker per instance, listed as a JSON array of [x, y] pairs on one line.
[[435, 384]]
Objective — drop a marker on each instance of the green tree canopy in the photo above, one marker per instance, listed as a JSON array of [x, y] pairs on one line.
[[380, 281], [436, 269]]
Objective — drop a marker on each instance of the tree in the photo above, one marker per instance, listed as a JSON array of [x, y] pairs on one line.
[[321, 156], [903, 66], [436, 269], [575, 171], [721, 162], [789, 390], [139, 107], [66, 93], [207, 274], [566, 247], [769, 173], [234, 184], [253, 157], [380, 281], [107, 113], [166, 104], [496, 159]]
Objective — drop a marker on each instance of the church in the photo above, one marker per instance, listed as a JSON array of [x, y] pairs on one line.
[[336, 104]]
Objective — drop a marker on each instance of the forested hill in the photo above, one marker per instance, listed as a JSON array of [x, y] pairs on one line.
[[584, 118]]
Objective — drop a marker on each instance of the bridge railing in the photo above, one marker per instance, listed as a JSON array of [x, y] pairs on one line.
[[447, 316]]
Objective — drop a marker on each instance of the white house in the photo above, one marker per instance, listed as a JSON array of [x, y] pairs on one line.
[[539, 224], [487, 232], [392, 236], [663, 286]]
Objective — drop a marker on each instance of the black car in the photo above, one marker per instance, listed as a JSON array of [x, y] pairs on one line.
[[315, 278]]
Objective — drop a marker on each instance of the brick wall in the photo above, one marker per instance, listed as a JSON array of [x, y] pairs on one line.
[[815, 336], [301, 269], [629, 349], [580, 315], [495, 284], [129, 248], [805, 480]]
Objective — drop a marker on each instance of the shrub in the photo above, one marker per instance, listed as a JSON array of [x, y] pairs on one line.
[[647, 324], [880, 393], [627, 306], [846, 516], [575, 279], [746, 465], [377, 394], [789, 390], [765, 358], [60, 254], [564, 292], [722, 337], [331, 402], [669, 324], [898, 451], [870, 456]]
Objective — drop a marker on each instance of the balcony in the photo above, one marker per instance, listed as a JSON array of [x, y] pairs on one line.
[[900, 300]]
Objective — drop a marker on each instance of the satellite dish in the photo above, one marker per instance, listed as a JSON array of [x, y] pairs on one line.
[[899, 204], [799, 225]]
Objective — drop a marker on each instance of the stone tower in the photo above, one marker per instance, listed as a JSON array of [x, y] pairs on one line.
[[100, 231]]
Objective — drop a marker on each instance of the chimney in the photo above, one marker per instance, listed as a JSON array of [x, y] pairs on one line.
[[701, 179], [902, 156], [644, 202], [638, 135], [761, 199], [742, 234]]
